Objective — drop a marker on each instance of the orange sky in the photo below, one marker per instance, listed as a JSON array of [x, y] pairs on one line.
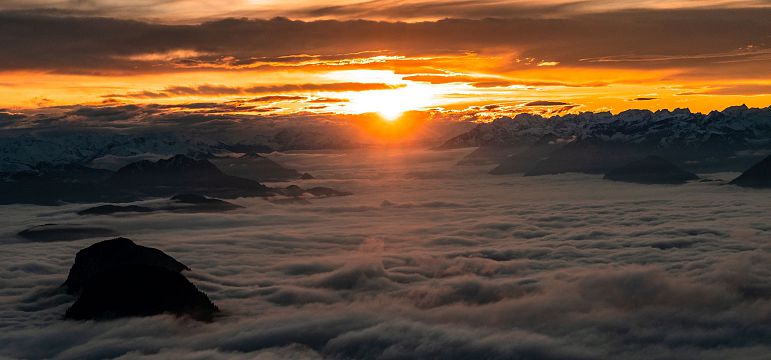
[[544, 57]]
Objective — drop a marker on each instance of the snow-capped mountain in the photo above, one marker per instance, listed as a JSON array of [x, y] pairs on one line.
[[24, 151], [595, 142], [739, 127]]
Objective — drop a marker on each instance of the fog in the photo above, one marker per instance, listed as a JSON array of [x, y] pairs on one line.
[[426, 260]]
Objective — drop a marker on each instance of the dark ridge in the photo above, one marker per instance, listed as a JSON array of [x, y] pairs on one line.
[[114, 209], [758, 176], [64, 232], [651, 170]]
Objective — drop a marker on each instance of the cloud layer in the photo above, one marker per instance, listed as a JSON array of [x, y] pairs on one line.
[[733, 39], [427, 260]]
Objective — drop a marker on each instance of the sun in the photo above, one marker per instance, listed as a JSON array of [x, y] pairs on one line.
[[391, 104]]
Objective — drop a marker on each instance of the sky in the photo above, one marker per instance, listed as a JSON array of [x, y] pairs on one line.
[[462, 59]]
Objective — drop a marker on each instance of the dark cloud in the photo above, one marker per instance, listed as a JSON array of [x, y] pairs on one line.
[[257, 89], [546, 103], [727, 39], [277, 98]]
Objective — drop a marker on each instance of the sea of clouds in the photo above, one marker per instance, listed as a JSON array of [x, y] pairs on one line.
[[426, 260]]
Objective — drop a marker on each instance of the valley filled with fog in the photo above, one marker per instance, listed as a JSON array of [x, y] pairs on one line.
[[426, 259]]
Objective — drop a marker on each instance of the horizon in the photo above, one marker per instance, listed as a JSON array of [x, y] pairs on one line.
[[456, 59]]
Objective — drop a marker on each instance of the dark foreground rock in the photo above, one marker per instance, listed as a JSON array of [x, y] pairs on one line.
[[109, 254], [651, 170], [758, 176], [140, 290], [118, 278], [64, 232]]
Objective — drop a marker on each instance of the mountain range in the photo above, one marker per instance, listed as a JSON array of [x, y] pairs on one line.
[[51, 184], [728, 140]]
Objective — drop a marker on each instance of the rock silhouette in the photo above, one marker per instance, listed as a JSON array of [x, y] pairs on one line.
[[109, 254], [140, 290], [118, 278]]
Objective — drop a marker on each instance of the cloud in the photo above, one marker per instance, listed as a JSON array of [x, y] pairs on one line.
[[186, 10], [546, 103], [478, 267], [277, 98], [743, 89], [213, 90], [696, 39]]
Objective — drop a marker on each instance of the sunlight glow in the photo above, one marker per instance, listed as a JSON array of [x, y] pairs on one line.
[[391, 104]]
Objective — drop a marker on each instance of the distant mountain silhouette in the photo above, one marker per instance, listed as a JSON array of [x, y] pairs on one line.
[[137, 181], [115, 209], [598, 142], [257, 167], [758, 176], [64, 232], [525, 159], [651, 170], [143, 179], [319, 192], [187, 203], [486, 155], [182, 174], [584, 157], [50, 184]]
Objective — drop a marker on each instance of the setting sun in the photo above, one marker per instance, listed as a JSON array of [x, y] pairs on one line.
[[391, 104]]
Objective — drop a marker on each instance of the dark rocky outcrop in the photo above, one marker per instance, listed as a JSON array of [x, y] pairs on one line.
[[140, 290], [758, 176], [64, 232], [118, 278], [109, 254], [651, 170]]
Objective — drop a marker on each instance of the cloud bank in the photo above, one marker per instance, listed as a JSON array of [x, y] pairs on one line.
[[427, 260]]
